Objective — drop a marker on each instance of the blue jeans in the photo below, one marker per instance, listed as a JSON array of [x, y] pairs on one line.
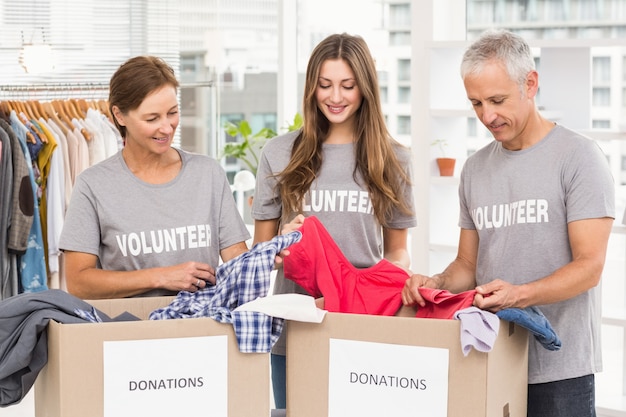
[[567, 398], [279, 380]]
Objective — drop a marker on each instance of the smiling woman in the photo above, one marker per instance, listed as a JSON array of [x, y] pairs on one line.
[[342, 166], [140, 223]]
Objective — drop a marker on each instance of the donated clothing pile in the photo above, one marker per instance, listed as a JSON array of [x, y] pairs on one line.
[[24, 339], [315, 263], [24, 317], [238, 281]]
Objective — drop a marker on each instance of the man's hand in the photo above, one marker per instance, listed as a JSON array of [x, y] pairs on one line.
[[496, 295]]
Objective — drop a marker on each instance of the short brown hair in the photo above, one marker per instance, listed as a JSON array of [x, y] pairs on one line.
[[134, 80]]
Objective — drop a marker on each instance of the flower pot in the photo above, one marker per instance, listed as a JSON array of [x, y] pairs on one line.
[[446, 166]]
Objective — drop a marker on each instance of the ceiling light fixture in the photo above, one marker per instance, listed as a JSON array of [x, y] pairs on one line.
[[37, 58]]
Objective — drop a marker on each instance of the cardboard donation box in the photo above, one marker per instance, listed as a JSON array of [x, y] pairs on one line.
[[183, 367], [362, 365]]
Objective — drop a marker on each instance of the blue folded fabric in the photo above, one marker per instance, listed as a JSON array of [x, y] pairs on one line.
[[533, 319]]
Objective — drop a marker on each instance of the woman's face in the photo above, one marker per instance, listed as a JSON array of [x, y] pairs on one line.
[[153, 123], [337, 93]]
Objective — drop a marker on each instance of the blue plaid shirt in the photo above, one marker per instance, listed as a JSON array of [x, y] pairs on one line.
[[238, 281]]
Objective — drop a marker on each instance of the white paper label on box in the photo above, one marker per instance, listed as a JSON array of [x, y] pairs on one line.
[[166, 377], [379, 379]]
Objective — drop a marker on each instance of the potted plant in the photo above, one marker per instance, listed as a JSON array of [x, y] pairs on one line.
[[445, 164], [248, 150]]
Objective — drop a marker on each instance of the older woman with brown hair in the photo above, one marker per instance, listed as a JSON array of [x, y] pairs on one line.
[[152, 219]]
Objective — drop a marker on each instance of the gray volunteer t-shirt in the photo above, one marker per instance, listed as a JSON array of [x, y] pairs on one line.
[[131, 225], [339, 201], [521, 202]]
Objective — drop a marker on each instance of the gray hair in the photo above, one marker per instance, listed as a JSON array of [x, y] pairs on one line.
[[504, 46]]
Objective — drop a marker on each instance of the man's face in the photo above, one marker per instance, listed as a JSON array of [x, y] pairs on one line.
[[500, 104]]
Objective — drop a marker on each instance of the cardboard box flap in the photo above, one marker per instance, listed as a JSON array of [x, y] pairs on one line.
[[138, 306]]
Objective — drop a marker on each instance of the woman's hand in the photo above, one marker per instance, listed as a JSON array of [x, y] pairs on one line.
[[188, 276], [295, 224], [410, 292]]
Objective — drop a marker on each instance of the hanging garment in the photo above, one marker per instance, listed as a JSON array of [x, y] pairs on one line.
[[317, 264], [21, 214], [24, 338], [6, 191], [22, 204], [54, 212], [109, 135], [32, 272], [238, 281], [44, 164], [65, 157]]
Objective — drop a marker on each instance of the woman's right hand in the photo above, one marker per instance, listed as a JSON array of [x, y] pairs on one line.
[[410, 292], [189, 276], [295, 224]]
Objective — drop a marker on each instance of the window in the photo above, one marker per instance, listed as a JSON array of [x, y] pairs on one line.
[[399, 38], [383, 77], [189, 139], [384, 95], [590, 10], [404, 125], [400, 15], [404, 95], [233, 118], [260, 121], [601, 96], [601, 70], [554, 10], [188, 101], [188, 64], [404, 70], [472, 130], [480, 12], [601, 124], [86, 40]]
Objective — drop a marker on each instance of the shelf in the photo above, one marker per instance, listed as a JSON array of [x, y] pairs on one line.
[[614, 315], [440, 247], [602, 135], [618, 228], [452, 113], [612, 321], [610, 406], [438, 180]]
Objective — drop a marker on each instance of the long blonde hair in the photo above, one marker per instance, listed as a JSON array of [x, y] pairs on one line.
[[376, 158]]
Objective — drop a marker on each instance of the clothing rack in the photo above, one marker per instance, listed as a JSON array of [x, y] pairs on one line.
[[90, 90], [49, 91], [54, 86]]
